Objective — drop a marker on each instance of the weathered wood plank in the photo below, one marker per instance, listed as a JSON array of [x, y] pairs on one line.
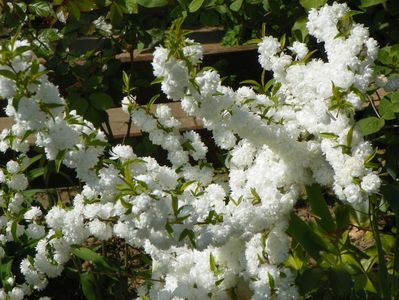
[[209, 49]]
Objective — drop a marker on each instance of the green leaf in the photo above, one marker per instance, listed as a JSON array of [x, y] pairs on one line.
[[386, 109], [236, 5], [209, 17], [96, 259], [8, 74], [85, 5], [283, 39], [212, 263], [195, 5], [101, 101], [59, 159], [131, 6], [299, 29], [370, 125], [272, 283], [301, 232], [78, 103], [185, 185], [152, 101], [187, 233], [394, 97], [175, 205], [152, 3], [309, 4], [22, 49], [251, 82], [255, 197], [310, 280], [349, 138], [35, 173], [319, 207], [342, 213], [328, 135], [6, 267], [41, 8], [391, 194], [90, 287], [74, 9], [368, 3], [14, 227]]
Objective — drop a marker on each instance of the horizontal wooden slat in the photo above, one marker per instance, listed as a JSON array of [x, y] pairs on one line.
[[209, 49]]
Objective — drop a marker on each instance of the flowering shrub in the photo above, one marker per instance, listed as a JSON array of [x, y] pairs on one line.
[[208, 236]]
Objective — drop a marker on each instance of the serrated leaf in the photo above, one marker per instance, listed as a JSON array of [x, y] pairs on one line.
[[370, 125]]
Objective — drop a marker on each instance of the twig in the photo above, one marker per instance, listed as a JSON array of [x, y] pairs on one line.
[[373, 105]]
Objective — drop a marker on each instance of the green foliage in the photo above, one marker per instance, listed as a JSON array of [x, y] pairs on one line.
[[309, 4], [371, 125]]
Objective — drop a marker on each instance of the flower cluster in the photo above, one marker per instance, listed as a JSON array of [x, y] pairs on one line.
[[208, 236]]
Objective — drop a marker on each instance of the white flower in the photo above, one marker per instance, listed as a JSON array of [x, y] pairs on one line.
[[7, 87], [277, 246], [55, 218], [15, 203], [268, 48], [300, 49], [12, 166], [2, 176], [128, 104], [371, 183], [36, 231], [102, 25], [16, 294], [123, 152], [100, 229], [33, 213]]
